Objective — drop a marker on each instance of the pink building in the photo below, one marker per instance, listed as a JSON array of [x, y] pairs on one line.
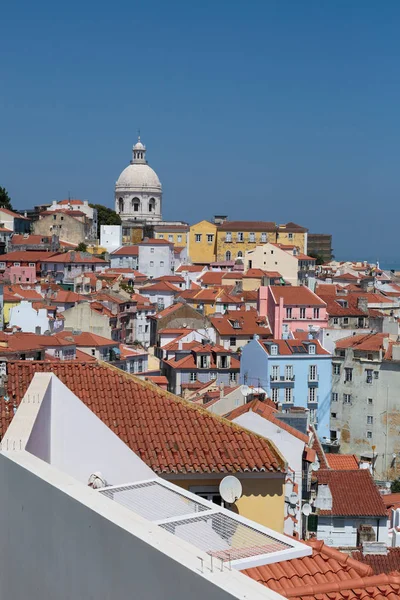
[[290, 308]]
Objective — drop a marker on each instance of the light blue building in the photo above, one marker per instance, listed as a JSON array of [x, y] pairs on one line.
[[293, 373]]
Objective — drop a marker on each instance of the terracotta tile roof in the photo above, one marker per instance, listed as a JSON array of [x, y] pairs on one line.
[[354, 493], [249, 321], [266, 410], [211, 278], [293, 227], [26, 294], [126, 251], [346, 277], [380, 563], [244, 226], [170, 279], [20, 240], [370, 342], [335, 309], [13, 214], [189, 361], [342, 462], [155, 242], [5, 230], [170, 330], [189, 269], [86, 339], [74, 257], [301, 256], [170, 434], [254, 273], [292, 347], [26, 256], [162, 286], [157, 379], [169, 310], [83, 357], [66, 296], [327, 574], [296, 295], [71, 202]]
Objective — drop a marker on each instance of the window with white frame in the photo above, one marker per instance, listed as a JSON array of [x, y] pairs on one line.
[[335, 396], [170, 238], [263, 238], [210, 238], [161, 263], [228, 237], [370, 401], [348, 374], [17, 264], [368, 373], [198, 237], [369, 435], [179, 238], [193, 377], [312, 396], [274, 350], [275, 373], [151, 250], [275, 394], [370, 420], [288, 313], [336, 368], [232, 377], [290, 236], [289, 372], [288, 394], [152, 263], [240, 254], [2, 265], [252, 236], [312, 373], [316, 313], [311, 349], [346, 398], [232, 341], [302, 313], [335, 320], [240, 236]]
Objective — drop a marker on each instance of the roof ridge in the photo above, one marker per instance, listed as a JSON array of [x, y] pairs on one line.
[[193, 406]]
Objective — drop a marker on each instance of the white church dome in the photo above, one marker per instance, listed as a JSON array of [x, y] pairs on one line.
[[138, 176]]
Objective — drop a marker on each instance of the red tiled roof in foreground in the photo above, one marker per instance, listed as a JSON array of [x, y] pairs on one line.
[[170, 434], [354, 493], [327, 574], [342, 462], [380, 563]]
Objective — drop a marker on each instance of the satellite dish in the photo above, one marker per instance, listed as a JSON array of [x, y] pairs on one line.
[[315, 466], [293, 498], [230, 489], [306, 510]]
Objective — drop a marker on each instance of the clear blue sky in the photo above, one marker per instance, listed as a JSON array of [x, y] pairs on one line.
[[270, 109]]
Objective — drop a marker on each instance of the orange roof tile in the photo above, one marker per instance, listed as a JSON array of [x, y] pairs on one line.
[[296, 295], [380, 563], [354, 493], [370, 342], [327, 574], [26, 256], [244, 226], [74, 257], [170, 434], [249, 323], [342, 462], [162, 286], [126, 251]]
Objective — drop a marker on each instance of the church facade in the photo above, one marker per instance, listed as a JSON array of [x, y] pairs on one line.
[[138, 190]]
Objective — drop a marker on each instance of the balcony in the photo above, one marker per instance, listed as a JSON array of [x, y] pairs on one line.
[[313, 378], [313, 403], [282, 381]]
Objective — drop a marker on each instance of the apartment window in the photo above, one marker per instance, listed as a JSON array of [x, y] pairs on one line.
[[140, 328], [2, 265], [17, 264], [333, 415], [288, 395], [336, 369], [290, 236], [161, 263], [369, 435], [289, 372], [232, 377], [316, 313], [370, 401], [312, 396], [288, 313], [252, 236], [198, 237], [210, 238], [240, 254], [264, 237], [339, 523], [160, 236], [152, 263], [228, 255], [376, 374], [193, 377], [232, 341], [93, 352], [312, 373], [274, 350], [140, 366], [54, 217], [204, 362], [228, 237], [240, 236], [368, 373], [348, 374], [311, 349], [179, 238], [170, 238], [346, 398], [31, 264], [151, 250], [370, 419], [345, 320], [335, 320], [223, 362], [302, 313], [275, 394], [275, 373], [335, 396]]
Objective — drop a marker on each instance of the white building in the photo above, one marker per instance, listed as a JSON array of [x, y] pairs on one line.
[[137, 537], [138, 191], [35, 320], [156, 258], [110, 237]]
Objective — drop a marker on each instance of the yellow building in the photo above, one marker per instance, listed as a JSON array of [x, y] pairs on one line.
[[177, 234], [9, 302], [202, 242], [235, 238]]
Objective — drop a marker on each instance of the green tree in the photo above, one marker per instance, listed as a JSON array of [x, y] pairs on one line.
[[395, 487], [5, 200], [319, 260], [81, 247], [105, 216]]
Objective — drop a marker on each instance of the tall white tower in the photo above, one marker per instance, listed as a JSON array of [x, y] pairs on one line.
[[138, 191]]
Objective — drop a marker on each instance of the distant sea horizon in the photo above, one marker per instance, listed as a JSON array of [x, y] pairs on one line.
[[387, 266]]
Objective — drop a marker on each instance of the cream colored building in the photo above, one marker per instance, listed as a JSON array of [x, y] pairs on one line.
[[270, 257]]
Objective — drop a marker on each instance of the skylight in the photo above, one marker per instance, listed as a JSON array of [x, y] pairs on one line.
[[222, 534]]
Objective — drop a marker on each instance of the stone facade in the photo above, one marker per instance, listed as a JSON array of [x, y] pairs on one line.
[[67, 227]]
